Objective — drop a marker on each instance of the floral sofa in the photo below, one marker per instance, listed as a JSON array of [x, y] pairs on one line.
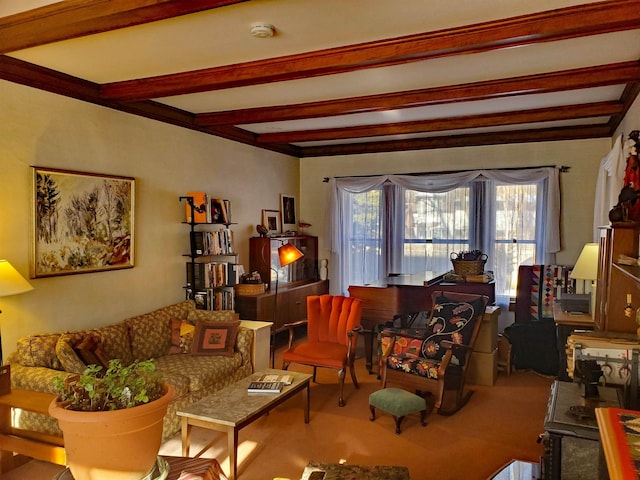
[[197, 351]]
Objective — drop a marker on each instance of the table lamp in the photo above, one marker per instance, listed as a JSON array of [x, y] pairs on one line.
[[11, 283], [586, 268], [287, 254]]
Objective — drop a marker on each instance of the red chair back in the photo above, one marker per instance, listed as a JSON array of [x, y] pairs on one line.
[[330, 317]]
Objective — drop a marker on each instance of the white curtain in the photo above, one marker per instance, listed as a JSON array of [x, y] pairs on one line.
[[608, 185], [548, 231]]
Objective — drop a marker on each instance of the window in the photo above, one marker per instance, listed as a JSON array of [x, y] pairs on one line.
[[409, 224], [515, 235], [435, 225], [365, 237]]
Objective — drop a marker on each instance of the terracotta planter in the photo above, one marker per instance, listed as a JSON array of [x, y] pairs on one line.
[[113, 445]]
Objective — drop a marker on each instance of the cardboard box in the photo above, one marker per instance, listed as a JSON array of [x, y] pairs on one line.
[[483, 368], [487, 340]]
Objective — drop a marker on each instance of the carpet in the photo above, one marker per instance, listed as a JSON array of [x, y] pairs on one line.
[[498, 424]]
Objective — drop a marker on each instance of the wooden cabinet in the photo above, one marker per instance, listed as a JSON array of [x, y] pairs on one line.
[[292, 304], [263, 258], [615, 282], [295, 282]]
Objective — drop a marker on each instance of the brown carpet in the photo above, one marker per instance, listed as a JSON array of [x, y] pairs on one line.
[[499, 423]]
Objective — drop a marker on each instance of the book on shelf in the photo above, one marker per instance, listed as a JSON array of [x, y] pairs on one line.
[[274, 377], [199, 209], [219, 242], [211, 275], [265, 387]]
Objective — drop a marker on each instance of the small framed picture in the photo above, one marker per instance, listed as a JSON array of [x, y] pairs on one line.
[[271, 220], [288, 211]]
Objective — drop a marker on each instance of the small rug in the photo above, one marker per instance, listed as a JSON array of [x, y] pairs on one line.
[[336, 471]]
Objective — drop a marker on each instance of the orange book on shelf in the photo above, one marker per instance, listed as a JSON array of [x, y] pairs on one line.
[[199, 207]]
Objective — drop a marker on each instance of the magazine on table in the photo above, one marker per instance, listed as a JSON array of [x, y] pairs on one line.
[[265, 387], [274, 377]]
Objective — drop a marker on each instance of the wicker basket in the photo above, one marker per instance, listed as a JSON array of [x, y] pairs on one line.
[[249, 288], [468, 267]]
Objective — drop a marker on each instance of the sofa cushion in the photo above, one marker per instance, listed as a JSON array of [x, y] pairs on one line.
[[114, 340], [39, 351], [150, 333], [213, 316], [215, 338], [68, 357], [204, 372]]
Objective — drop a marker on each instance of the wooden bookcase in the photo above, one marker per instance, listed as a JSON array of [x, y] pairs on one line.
[[616, 281], [295, 282]]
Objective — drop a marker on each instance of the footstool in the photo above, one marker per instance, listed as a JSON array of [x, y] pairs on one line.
[[398, 403]]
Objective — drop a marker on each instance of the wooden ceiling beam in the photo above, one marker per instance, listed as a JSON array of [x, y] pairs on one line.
[[587, 77], [470, 140], [567, 112], [77, 18], [24, 73], [553, 25]]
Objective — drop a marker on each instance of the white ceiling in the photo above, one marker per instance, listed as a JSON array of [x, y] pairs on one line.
[[220, 38]]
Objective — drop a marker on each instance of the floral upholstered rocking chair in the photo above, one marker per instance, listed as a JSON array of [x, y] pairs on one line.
[[434, 359]]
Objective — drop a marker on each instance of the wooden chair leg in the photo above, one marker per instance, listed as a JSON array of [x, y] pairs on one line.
[[341, 375], [372, 409], [352, 370], [315, 369], [423, 416], [398, 422]]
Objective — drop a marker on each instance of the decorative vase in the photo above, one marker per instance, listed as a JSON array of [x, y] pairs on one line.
[[113, 445]]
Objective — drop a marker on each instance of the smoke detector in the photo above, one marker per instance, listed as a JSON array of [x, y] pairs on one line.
[[262, 30]]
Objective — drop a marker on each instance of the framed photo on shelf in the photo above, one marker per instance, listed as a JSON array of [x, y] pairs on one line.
[[82, 222], [271, 220], [219, 211], [288, 211]]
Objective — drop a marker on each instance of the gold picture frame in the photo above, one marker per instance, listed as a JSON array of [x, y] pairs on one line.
[[82, 222]]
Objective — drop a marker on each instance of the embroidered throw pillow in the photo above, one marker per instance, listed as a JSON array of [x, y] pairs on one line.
[[215, 338], [182, 333]]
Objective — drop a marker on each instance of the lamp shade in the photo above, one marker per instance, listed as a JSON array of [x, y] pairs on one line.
[[288, 253], [11, 282], [586, 268]]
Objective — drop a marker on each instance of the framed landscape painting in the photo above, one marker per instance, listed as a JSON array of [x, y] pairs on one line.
[[82, 222]]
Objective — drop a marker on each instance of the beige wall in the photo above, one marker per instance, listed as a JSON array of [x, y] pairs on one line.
[[578, 185], [48, 130]]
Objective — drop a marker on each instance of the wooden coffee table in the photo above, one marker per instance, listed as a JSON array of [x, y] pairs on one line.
[[233, 408]]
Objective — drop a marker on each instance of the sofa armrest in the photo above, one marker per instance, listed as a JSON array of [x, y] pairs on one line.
[[244, 341], [39, 379]]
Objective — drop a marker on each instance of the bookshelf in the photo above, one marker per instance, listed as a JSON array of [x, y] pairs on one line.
[[211, 271]]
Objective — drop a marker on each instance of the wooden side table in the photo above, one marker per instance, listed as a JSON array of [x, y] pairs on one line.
[[32, 444]]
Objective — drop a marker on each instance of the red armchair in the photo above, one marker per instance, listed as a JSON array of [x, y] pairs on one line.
[[332, 323]]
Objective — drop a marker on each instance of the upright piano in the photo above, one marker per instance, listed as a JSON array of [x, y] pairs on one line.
[[400, 294]]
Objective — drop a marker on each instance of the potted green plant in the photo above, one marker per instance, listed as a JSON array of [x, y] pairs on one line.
[[111, 420]]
